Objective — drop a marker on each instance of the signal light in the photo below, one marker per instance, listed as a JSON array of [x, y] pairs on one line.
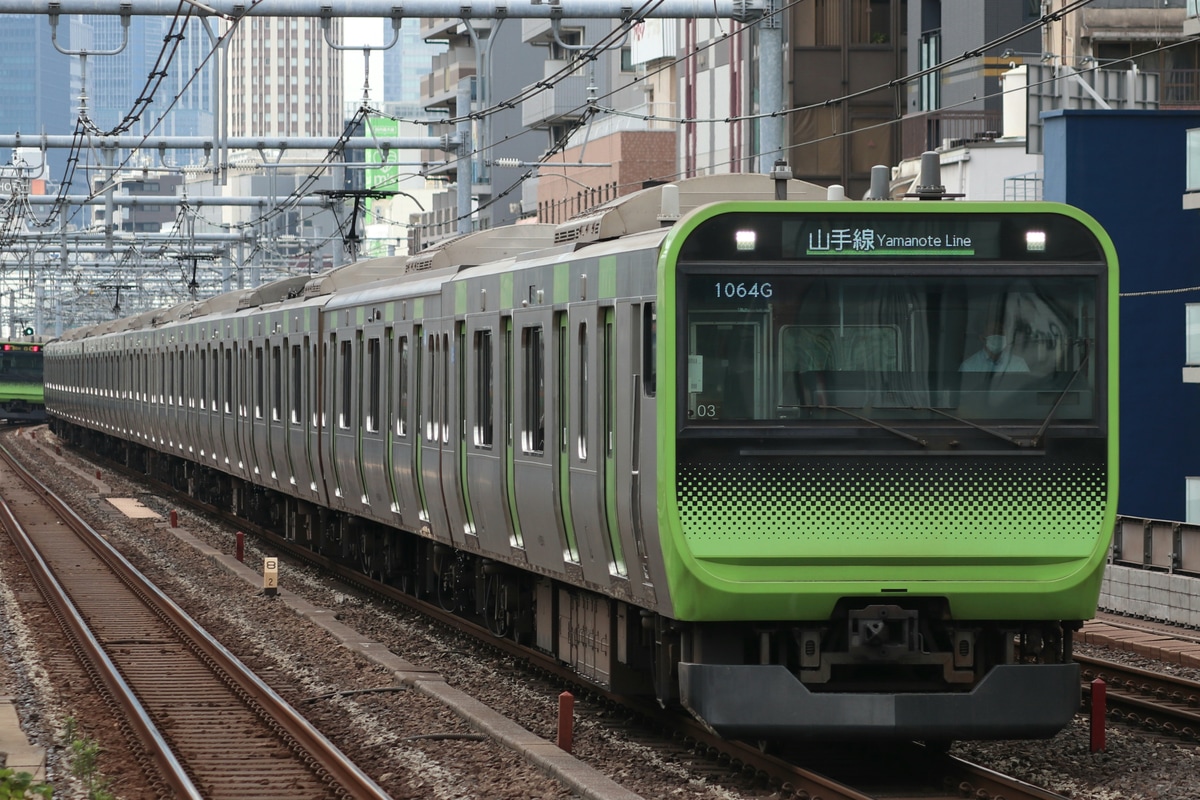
[[28, 330]]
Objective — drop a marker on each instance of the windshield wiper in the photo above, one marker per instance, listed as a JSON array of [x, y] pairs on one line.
[[1037, 437], [977, 426], [876, 423]]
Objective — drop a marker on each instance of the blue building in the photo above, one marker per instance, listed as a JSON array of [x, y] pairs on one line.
[[1128, 170]]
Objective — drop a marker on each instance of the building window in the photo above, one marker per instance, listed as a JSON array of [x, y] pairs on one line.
[[1193, 500], [1193, 334]]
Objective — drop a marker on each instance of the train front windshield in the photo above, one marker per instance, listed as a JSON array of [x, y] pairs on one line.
[[883, 320], [20, 364], [785, 347]]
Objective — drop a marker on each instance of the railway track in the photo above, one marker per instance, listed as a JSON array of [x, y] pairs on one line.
[[206, 727], [1158, 701]]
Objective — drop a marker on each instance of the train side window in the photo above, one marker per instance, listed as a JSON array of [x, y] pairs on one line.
[[276, 384], [402, 412], [483, 388], [374, 367], [534, 422], [649, 347]]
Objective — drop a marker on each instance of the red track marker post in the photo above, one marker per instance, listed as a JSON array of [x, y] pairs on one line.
[[566, 721], [174, 518], [1099, 706]]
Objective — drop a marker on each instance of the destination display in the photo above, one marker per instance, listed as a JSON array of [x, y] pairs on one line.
[[943, 236], [891, 234]]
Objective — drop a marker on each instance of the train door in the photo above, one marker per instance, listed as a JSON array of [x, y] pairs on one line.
[[483, 446], [373, 458], [279, 432], [507, 367], [298, 370], [260, 466], [229, 401], [625, 491], [585, 448], [618, 565], [533, 457], [343, 423], [405, 471], [454, 478], [435, 432]]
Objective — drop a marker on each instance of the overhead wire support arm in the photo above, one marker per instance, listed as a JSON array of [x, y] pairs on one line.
[[740, 10]]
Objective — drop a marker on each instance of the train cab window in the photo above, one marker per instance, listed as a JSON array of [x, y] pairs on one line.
[[374, 382], [1003, 349], [533, 433], [483, 388]]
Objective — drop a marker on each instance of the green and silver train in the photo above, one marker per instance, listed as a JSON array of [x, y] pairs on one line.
[[21, 380], [809, 468]]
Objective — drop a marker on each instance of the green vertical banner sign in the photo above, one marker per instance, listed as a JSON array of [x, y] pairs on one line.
[[385, 177]]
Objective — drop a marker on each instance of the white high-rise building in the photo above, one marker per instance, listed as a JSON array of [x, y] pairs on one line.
[[283, 79]]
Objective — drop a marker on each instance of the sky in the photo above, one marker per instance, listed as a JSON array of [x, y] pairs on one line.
[[357, 32]]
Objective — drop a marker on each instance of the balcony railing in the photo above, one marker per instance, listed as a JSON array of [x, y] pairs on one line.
[[937, 128], [1180, 88]]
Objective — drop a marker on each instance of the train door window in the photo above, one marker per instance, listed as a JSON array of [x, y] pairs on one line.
[[202, 389], [214, 384], [374, 374], [346, 376], [445, 388], [243, 383], [171, 378], [431, 431], [402, 392], [582, 439], [649, 348], [229, 394], [296, 395], [533, 434], [259, 378], [276, 384], [419, 410], [483, 388], [610, 388]]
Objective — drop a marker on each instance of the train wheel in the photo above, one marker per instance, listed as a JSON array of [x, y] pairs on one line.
[[495, 607]]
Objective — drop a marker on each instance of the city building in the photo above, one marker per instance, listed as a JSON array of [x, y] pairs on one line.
[[284, 80]]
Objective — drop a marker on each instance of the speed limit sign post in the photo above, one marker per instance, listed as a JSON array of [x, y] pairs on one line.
[[270, 576]]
